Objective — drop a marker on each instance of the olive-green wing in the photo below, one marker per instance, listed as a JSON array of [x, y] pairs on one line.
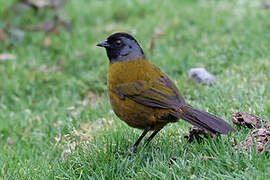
[[160, 93]]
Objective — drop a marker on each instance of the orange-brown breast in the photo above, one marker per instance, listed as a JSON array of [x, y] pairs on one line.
[[135, 114]]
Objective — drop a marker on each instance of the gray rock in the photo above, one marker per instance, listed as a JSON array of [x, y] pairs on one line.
[[266, 4], [200, 75]]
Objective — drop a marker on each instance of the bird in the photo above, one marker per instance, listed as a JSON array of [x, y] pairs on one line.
[[144, 97]]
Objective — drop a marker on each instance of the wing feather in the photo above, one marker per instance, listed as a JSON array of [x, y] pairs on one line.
[[160, 93]]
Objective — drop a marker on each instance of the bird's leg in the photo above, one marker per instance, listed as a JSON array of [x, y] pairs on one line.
[[140, 139], [152, 136]]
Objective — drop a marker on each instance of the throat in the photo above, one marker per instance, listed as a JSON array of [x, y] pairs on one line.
[[126, 57]]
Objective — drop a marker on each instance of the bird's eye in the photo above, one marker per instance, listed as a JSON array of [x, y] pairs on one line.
[[118, 42]]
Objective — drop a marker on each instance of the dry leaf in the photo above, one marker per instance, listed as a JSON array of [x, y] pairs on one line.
[[248, 120], [52, 26], [6, 57], [198, 134]]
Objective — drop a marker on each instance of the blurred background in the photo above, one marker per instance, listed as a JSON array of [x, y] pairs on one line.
[[53, 100]]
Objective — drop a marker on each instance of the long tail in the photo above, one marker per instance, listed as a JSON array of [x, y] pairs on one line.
[[204, 120]]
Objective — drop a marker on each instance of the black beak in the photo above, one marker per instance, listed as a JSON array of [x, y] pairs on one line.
[[104, 44]]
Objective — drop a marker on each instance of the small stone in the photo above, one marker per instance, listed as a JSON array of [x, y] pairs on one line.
[[200, 75], [266, 4]]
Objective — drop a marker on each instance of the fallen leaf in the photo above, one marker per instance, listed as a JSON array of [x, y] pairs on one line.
[[7, 56], [247, 120], [52, 26], [198, 134]]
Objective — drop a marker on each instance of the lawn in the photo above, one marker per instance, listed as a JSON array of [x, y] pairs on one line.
[[55, 118]]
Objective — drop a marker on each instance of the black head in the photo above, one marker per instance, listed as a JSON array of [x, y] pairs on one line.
[[122, 47]]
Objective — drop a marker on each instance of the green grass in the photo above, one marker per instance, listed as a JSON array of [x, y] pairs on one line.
[[41, 109]]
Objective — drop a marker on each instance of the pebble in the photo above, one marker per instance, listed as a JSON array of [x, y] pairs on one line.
[[200, 75]]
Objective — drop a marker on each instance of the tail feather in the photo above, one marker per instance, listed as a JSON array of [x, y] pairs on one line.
[[204, 120]]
